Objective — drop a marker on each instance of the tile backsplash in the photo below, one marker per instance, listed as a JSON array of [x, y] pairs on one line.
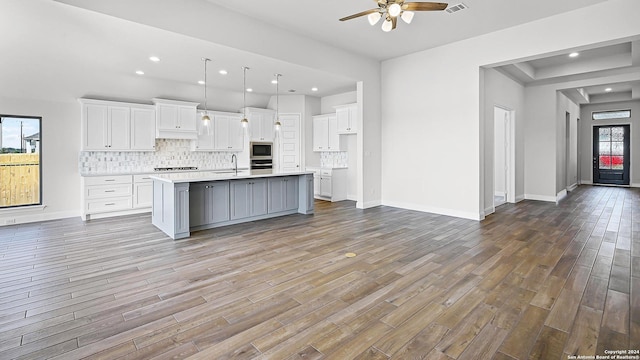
[[335, 159], [169, 153]]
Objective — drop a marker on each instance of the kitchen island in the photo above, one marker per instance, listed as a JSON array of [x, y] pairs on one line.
[[185, 202]]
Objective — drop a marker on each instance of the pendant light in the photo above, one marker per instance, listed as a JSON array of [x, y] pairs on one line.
[[206, 120], [244, 121], [277, 124]]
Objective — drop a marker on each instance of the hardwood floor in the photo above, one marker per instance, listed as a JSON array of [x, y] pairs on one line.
[[534, 281]]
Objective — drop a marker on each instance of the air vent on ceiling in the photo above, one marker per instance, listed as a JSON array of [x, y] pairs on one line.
[[455, 8]]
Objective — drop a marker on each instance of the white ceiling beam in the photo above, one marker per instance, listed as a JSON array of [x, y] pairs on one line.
[[635, 53]]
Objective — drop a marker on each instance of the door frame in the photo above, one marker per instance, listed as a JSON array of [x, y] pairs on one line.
[[621, 123], [510, 155]]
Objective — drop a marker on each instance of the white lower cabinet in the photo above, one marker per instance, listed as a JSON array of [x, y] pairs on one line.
[[329, 184], [104, 196]]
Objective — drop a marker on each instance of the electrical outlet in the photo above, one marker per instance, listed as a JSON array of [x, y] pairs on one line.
[[10, 221]]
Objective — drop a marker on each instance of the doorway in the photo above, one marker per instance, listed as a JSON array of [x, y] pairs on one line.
[[611, 155], [502, 119]]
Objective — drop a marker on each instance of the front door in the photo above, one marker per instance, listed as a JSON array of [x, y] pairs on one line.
[[611, 154]]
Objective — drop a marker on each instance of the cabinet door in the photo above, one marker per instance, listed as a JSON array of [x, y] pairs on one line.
[[221, 132], [119, 128], [259, 197], [143, 129], [187, 118], [276, 194], [142, 194], [311, 184], [236, 134], [197, 201], [204, 141], [240, 199], [217, 200], [291, 193], [353, 120], [167, 117], [267, 127], [342, 116], [332, 136], [95, 127], [325, 186], [320, 133]]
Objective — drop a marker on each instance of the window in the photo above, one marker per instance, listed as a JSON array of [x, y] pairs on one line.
[[20, 161], [606, 115]]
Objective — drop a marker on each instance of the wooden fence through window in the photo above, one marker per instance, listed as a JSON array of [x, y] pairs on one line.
[[19, 179]]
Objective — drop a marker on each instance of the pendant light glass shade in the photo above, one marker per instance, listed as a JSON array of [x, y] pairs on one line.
[[244, 122], [374, 18], [407, 16], [277, 123], [394, 10], [206, 120], [387, 25]]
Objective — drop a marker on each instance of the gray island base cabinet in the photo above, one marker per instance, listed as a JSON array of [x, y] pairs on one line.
[[188, 202]]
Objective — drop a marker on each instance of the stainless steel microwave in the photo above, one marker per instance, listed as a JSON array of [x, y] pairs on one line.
[[261, 150]]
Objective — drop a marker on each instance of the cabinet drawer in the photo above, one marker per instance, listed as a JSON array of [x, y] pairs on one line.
[[106, 180], [108, 191], [325, 172], [104, 205], [141, 178]]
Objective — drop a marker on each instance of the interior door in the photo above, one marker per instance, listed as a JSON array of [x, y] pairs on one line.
[[289, 136], [611, 154]]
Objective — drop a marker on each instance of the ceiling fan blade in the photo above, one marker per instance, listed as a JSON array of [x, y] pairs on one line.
[[424, 6], [359, 14], [394, 22]]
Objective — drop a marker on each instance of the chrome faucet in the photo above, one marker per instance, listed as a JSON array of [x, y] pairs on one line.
[[234, 157]]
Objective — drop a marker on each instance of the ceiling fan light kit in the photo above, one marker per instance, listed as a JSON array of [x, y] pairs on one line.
[[392, 9]]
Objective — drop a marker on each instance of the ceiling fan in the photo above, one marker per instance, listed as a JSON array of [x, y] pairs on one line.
[[391, 9]]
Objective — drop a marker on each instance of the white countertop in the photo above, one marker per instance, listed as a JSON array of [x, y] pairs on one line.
[[186, 177], [158, 172]]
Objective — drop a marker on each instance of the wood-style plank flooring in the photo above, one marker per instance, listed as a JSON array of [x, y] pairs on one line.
[[533, 281]]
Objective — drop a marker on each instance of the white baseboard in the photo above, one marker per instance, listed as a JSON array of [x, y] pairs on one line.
[[520, 198], [572, 187], [586, 182], [635, 185], [488, 211], [435, 210], [368, 204], [561, 195], [540, 197], [14, 218]]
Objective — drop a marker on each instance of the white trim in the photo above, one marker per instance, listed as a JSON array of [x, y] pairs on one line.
[[635, 185], [572, 187], [520, 198], [540, 197], [30, 218], [22, 209], [488, 211], [561, 195], [368, 204], [436, 210], [586, 182], [104, 215]]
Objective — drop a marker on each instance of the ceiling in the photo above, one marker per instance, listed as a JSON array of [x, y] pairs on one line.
[[70, 51]]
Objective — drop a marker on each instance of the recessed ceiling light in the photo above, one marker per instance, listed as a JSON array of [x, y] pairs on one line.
[[139, 72], [154, 58], [314, 89], [249, 90], [201, 82], [608, 89], [574, 54], [274, 81], [223, 72]]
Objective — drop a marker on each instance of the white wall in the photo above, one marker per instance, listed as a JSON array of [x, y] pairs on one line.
[[564, 106], [328, 102], [499, 153], [60, 142], [586, 137], [434, 118], [505, 93]]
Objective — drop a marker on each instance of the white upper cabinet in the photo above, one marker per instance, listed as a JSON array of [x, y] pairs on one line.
[[261, 124], [116, 126], [226, 133], [325, 134], [143, 129], [347, 116], [176, 119]]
